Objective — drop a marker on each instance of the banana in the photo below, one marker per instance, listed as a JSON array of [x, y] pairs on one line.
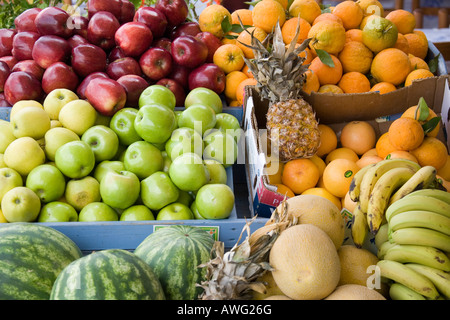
[[424, 255], [359, 228], [422, 237], [408, 277], [398, 291], [422, 179], [381, 193], [382, 235], [434, 193], [384, 247], [420, 219], [355, 185], [418, 202], [375, 172], [439, 278]]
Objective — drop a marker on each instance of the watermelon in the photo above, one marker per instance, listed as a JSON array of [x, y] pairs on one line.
[[110, 274], [174, 253], [31, 258]]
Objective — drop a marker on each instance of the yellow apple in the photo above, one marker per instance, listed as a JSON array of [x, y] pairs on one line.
[[55, 123], [23, 155], [57, 99], [19, 105], [6, 135], [78, 116], [81, 192], [30, 122], [2, 162], [56, 137]]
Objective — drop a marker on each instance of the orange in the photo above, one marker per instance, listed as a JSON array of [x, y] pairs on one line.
[[322, 192], [232, 80], [229, 57], [443, 182], [371, 152], [282, 189], [328, 140], [390, 65], [418, 44], [341, 153], [432, 152], [359, 136], [240, 89], [210, 19], [332, 88], [247, 71], [273, 170], [384, 146], [284, 3], [444, 172], [338, 175], [354, 82], [411, 113], [290, 27], [348, 203], [350, 13], [327, 16], [355, 56], [405, 133], [267, 13], [327, 35], [306, 9], [417, 74], [234, 103], [308, 55], [383, 87], [364, 161], [300, 174], [403, 20], [245, 37], [311, 82], [417, 63], [318, 161], [353, 35], [231, 39], [370, 7], [327, 74], [402, 43], [401, 154], [245, 15]]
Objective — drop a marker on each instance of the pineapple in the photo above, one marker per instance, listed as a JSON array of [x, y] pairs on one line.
[[291, 122]]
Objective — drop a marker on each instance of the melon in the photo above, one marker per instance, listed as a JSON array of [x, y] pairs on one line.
[[305, 261], [175, 253], [355, 264], [31, 257], [354, 292], [110, 274], [271, 287]]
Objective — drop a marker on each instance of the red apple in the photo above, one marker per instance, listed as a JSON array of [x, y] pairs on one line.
[[88, 58], [59, 75], [23, 44], [163, 43], [180, 74], [6, 41], [115, 53], [76, 40], [176, 88], [208, 75], [127, 11], [22, 86], [29, 66], [153, 18], [211, 41], [79, 25], [107, 96], [10, 61], [156, 63], [4, 74], [113, 6], [176, 11], [134, 38], [122, 67], [25, 20], [133, 85], [190, 28], [84, 83], [101, 29], [189, 51], [53, 21], [50, 49], [3, 102]]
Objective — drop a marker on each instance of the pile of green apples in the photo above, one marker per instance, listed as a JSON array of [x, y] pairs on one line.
[[63, 161]]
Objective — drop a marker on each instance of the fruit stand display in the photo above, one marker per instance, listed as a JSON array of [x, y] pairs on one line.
[[129, 129]]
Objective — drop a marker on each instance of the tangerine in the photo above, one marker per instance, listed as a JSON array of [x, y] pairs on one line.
[[354, 82], [350, 13], [417, 74], [406, 134], [355, 56], [390, 65], [325, 73]]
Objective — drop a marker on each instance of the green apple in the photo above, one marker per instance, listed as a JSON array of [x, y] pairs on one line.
[[105, 166], [30, 122], [2, 163], [166, 161], [188, 172], [204, 96], [56, 99], [230, 124], [143, 158], [47, 182], [20, 204], [158, 190], [215, 201], [97, 211], [154, 123], [185, 198], [120, 189], [19, 105], [78, 116], [23, 155], [57, 211], [184, 140], [217, 172], [194, 210], [9, 178], [122, 122], [220, 146], [6, 135], [55, 138], [157, 94], [75, 159], [102, 140], [198, 117], [175, 211], [379, 33], [137, 212], [81, 192], [102, 119]]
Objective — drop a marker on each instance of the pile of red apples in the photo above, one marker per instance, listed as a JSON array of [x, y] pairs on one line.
[[109, 56]]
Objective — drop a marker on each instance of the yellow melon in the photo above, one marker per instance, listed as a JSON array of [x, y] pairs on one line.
[[278, 297], [271, 287], [354, 292]]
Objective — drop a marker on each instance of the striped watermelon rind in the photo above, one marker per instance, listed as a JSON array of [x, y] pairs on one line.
[[31, 258], [174, 253], [111, 274]]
